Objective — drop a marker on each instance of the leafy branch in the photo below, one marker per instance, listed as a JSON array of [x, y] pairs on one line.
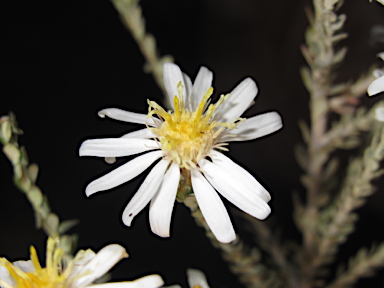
[[24, 177]]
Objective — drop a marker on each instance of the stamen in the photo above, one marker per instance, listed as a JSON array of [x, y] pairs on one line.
[[157, 109], [57, 261], [49, 256], [200, 109], [218, 132], [221, 100], [208, 114], [35, 259], [177, 108], [187, 136]]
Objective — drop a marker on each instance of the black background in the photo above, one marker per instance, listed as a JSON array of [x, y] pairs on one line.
[[63, 61]]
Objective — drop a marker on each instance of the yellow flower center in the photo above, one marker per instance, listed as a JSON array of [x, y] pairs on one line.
[[187, 136], [49, 277]]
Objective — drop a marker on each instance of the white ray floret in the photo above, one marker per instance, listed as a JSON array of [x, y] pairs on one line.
[[116, 147], [187, 140], [123, 173], [212, 208], [162, 203]]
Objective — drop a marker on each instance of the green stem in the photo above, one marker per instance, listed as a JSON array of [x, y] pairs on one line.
[[133, 19], [245, 264], [25, 177]]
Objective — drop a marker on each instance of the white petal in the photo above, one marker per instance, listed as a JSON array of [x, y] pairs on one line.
[[379, 114], [81, 259], [116, 147], [161, 207], [123, 174], [239, 100], [212, 208], [6, 277], [25, 266], [376, 86], [255, 127], [196, 278], [150, 281], [104, 260], [202, 83], [125, 116], [248, 182], [381, 55], [237, 185], [172, 76], [146, 192], [140, 134]]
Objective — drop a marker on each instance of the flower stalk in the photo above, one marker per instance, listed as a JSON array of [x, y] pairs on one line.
[[326, 97], [133, 19], [338, 219], [24, 177], [321, 58]]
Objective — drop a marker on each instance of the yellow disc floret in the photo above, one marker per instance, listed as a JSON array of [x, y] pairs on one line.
[[49, 277], [187, 136]]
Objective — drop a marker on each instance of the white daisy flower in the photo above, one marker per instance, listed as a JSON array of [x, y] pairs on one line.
[[86, 267], [377, 86], [186, 140]]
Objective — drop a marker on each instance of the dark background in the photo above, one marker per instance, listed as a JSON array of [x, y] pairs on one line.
[[65, 60]]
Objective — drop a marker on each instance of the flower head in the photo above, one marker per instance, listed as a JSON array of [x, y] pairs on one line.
[[187, 140], [86, 267]]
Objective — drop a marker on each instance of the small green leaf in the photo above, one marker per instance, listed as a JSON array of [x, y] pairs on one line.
[[304, 131], [33, 171], [53, 222], [6, 131], [331, 168], [12, 152], [35, 196], [66, 243], [339, 55], [307, 78]]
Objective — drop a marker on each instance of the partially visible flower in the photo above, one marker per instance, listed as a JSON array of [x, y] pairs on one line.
[[377, 86], [86, 267], [196, 279], [187, 141], [379, 114]]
